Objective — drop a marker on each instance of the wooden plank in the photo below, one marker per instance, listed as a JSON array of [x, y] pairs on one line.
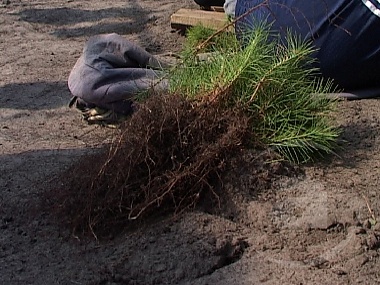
[[189, 17], [217, 9]]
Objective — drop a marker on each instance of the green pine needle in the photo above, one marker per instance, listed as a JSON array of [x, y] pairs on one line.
[[272, 80]]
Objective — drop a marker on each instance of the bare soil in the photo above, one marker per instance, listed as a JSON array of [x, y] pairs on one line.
[[317, 227]]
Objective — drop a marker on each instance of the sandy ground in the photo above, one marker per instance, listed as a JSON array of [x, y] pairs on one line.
[[316, 228]]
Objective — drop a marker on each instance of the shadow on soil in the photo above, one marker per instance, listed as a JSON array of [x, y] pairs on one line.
[[354, 144], [101, 28], [25, 174], [34, 95], [71, 16], [124, 20], [204, 247]]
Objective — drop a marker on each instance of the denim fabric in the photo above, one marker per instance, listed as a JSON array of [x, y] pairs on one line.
[[345, 32]]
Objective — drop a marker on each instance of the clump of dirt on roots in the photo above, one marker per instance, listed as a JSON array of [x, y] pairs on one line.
[[167, 155]]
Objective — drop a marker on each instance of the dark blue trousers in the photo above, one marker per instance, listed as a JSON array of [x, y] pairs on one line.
[[346, 34]]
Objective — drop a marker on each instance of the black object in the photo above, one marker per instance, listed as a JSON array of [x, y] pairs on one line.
[[206, 5]]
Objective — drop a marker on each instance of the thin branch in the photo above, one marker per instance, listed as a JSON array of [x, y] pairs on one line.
[[233, 22]]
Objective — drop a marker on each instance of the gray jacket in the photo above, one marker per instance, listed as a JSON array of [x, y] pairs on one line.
[[112, 70]]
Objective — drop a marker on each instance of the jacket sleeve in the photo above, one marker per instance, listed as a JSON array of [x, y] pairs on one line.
[[112, 70]]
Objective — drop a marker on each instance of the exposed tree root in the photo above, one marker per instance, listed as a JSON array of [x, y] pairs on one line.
[[165, 157]]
